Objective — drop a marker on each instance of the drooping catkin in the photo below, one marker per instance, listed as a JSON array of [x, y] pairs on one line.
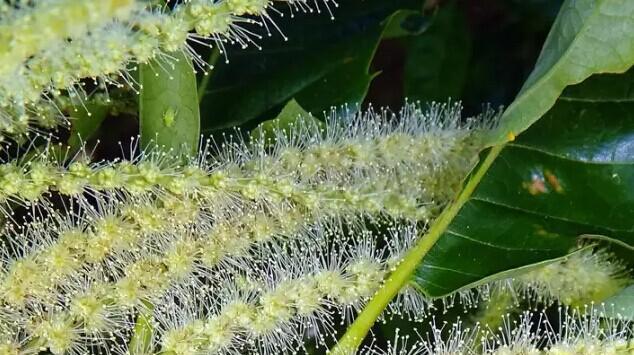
[[585, 277], [26, 28], [589, 276], [160, 225], [430, 151], [270, 305], [279, 294]]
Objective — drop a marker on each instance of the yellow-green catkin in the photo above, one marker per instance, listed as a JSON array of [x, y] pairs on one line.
[[572, 333], [420, 157], [52, 253], [285, 298], [586, 277]]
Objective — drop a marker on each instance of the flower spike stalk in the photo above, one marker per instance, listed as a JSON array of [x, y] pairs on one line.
[[428, 150]]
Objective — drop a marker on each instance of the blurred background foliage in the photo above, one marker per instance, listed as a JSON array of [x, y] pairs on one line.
[[370, 52], [382, 52]]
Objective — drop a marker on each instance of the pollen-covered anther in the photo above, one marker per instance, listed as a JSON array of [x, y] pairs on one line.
[[180, 258]]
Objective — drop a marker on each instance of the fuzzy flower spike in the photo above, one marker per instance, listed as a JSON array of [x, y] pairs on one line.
[[366, 147], [269, 305]]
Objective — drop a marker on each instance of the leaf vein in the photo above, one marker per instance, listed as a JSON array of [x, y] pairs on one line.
[[460, 235]]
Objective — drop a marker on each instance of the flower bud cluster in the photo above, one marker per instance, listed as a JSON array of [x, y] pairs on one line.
[[26, 28], [586, 277], [42, 257]]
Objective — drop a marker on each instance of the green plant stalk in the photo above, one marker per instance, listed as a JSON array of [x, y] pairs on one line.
[[355, 334], [204, 82]]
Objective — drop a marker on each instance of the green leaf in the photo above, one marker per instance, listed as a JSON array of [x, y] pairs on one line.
[[323, 63], [286, 119], [407, 23], [559, 181], [437, 61], [621, 305], [168, 105], [348, 83], [86, 122], [588, 37]]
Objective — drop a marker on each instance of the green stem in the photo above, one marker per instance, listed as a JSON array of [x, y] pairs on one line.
[[213, 58], [355, 334]]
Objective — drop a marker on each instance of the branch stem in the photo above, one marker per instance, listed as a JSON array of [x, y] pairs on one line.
[[355, 334], [204, 82]]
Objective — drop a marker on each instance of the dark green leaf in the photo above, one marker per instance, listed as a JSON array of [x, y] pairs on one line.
[[86, 122], [407, 23], [604, 88], [588, 37], [324, 63], [285, 120], [569, 176], [168, 105], [437, 60]]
